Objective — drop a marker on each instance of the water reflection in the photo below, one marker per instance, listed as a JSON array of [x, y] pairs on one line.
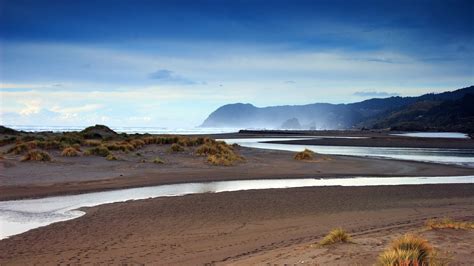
[[22, 215]]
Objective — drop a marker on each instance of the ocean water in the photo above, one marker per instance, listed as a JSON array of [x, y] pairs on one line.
[[449, 135], [131, 130]]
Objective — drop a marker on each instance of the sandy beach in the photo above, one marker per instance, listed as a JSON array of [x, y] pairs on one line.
[[273, 226], [251, 227]]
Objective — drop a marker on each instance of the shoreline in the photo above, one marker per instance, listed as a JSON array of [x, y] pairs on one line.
[[279, 166]]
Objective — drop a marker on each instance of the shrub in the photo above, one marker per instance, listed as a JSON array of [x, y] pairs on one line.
[[70, 138], [69, 152], [98, 150], [111, 157], [448, 223], [176, 148], [407, 250], [37, 155], [76, 146], [337, 235], [304, 155], [158, 160]]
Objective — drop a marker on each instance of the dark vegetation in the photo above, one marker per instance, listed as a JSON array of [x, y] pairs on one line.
[[448, 111], [101, 141]]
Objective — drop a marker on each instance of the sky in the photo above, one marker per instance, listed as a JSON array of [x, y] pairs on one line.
[[171, 63]]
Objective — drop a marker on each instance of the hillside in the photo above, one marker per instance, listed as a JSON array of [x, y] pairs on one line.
[[395, 112]]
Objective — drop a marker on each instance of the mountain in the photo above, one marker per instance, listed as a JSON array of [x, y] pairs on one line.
[[369, 113]]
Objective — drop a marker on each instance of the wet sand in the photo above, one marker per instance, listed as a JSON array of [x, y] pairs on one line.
[[65, 175], [251, 227]]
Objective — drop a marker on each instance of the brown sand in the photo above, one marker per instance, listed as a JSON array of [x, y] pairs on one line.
[[66, 175], [251, 227]]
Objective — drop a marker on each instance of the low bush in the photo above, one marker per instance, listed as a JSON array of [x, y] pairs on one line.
[[37, 155], [304, 155], [448, 223], [70, 152], [175, 147], [337, 235], [92, 143], [98, 150], [408, 250]]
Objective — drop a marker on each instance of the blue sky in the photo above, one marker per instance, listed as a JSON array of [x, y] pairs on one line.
[[171, 63]]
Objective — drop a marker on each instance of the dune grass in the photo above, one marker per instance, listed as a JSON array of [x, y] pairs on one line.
[[36, 155], [19, 148], [175, 147], [337, 235], [70, 152], [111, 157], [409, 250], [448, 223], [304, 155], [219, 153], [98, 151], [158, 160]]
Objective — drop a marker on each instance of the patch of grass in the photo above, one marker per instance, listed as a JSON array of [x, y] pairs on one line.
[[19, 148], [98, 150], [124, 146], [337, 235], [448, 223], [137, 143], [175, 147], [70, 152], [304, 155], [37, 155], [409, 250], [158, 160], [76, 146], [219, 153], [92, 143], [111, 157], [50, 145]]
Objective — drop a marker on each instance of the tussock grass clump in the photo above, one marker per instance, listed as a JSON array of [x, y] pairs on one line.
[[337, 235], [408, 250], [124, 146], [37, 155], [304, 155], [98, 150], [19, 148], [50, 145], [448, 223], [111, 157], [92, 143], [175, 147], [70, 152], [137, 143], [158, 160], [219, 153]]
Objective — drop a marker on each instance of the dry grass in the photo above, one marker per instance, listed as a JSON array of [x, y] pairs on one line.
[[409, 250], [337, 235], [176, 148], [19, 148], [158, 160], [219, 153], [98, 150], [304, 155], [448, 223], [69, 152], [37, 155], [111, 157], [92, 143]]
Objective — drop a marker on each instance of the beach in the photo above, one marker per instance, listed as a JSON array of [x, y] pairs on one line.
[[251, 227]]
